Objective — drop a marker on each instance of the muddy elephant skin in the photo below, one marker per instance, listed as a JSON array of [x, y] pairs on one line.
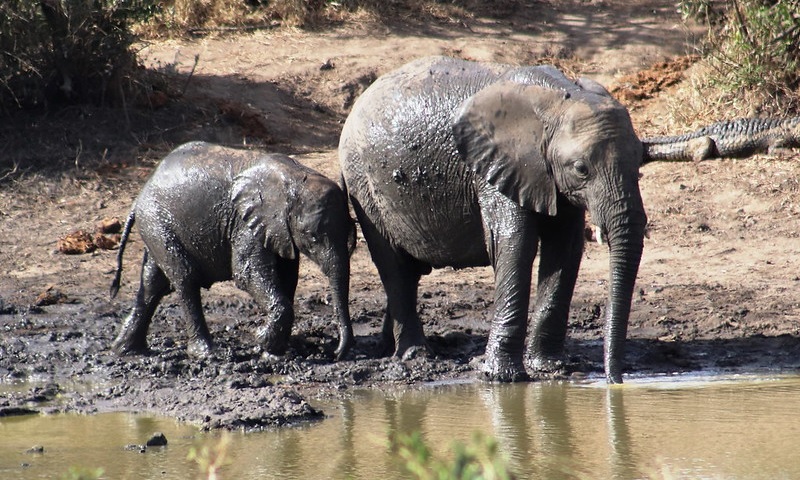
[[456, 163], [210, 214]]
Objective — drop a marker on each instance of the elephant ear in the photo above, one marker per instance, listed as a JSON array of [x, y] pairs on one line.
[[500, 134], [263, 210]]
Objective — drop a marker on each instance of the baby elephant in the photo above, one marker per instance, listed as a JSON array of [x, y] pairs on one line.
[[210, 214]]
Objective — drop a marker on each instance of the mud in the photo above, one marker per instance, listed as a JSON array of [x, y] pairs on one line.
[[717, 289]]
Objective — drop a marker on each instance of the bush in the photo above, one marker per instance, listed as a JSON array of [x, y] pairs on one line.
[[757, 46], [80, 473], [479, 460], [186, 16], [81, 51], [199, 17], [67, 51]]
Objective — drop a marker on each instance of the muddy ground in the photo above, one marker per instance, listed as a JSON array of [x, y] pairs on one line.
[[717, 288]]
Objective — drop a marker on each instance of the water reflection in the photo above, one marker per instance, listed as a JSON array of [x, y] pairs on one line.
[[619, 438], [92, 442], [687, 427]]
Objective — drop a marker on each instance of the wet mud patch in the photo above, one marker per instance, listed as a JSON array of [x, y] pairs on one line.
[[237, 387]]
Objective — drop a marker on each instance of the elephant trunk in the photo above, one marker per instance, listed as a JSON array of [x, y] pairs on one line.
[[625, 241], [338, 274]]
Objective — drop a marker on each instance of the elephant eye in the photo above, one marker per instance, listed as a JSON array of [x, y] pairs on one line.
[[581, 168]]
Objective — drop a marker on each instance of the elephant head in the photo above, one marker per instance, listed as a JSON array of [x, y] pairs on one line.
[[536, 142], [324, 232], [311, 218]]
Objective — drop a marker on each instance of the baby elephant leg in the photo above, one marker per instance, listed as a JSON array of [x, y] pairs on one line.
[[271, 281], [153, 285], [200, 343]]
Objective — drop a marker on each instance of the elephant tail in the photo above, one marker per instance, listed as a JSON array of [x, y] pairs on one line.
[[123, 240], [343, 185]]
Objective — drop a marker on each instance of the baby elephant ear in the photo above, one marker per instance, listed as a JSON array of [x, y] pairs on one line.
[[261, 209], [500, 133]]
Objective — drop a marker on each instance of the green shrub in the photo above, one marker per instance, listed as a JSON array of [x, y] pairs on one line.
[[211, 457], [80, 473], [757, 46], [71, 51], [479, 459], [698, 9]]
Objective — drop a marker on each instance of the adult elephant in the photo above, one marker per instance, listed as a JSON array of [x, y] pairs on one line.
[[456, 163]]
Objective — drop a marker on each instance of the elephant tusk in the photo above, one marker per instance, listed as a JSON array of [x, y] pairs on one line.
[[598, 235]]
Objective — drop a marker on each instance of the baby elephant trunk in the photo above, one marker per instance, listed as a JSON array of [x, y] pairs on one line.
[[338, 274], [330, 250], [328, 240]]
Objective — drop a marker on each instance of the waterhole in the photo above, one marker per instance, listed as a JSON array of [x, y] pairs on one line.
[[664, 427]]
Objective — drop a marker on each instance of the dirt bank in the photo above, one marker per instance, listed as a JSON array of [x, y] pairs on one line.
[[717, 288]]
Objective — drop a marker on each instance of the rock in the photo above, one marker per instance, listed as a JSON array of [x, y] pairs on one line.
[[157, 440]]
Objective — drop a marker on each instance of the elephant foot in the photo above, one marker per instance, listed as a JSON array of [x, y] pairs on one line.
[[274, 339], [384, 350], [408, 345], [200, 348], [273, 359], [555, 365], [494, 369], [416, 351], [124, 347]]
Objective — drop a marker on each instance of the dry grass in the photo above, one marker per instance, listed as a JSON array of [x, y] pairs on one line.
[[733, 77], [700, 100], [201, 17], [180, 17]]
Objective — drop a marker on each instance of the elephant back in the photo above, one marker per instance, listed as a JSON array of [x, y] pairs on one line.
[[185, 203], [546, 76], [400, 164]]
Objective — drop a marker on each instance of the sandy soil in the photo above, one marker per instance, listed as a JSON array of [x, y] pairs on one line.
[[716, 290]]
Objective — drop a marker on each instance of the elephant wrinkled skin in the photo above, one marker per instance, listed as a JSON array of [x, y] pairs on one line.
[[210, 213], [456, 163]]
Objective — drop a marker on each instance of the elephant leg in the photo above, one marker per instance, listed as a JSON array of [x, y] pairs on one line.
[[288, 274], [512, 244], [153, 285], [401, 281], [559, 261], [183, 273], [279, 331], [387, 335], [271, 281], [199, 343], [400, 274]]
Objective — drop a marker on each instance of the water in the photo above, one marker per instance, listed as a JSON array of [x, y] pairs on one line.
[[671, 427]]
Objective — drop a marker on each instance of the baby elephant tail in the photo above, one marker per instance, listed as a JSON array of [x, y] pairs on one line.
[[125, 232]]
